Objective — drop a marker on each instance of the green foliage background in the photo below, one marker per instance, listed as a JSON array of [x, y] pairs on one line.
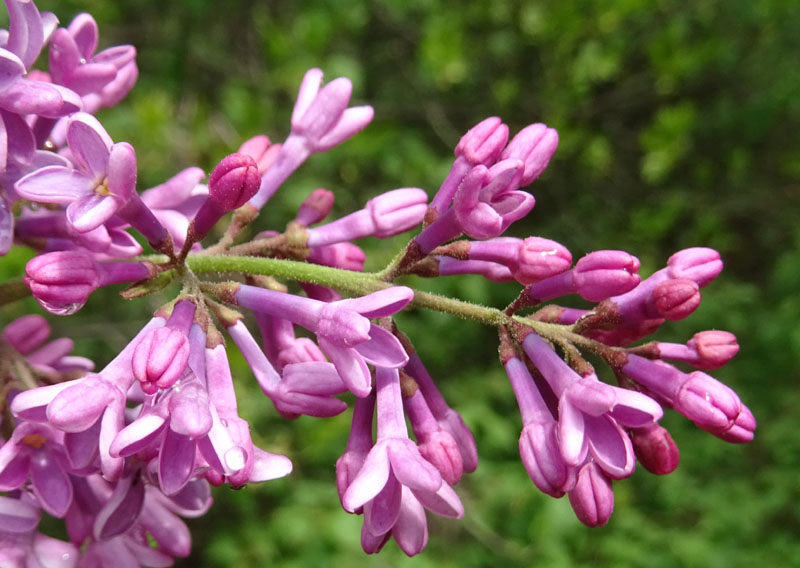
[[679, 127]]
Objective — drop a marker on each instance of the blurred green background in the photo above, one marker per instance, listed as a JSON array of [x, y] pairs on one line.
[[679, 125]]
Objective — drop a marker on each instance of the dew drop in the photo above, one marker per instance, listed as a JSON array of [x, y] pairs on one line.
[[236, 458], [61, 309]]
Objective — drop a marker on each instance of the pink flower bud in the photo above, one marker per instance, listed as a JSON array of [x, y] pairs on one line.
[[676, 299], [261, 150], [592, 499], [541, 456], [699, 264], [714, 348], [708, 403], [234, 181], [315, 207], [397, 211], [483, 142], [339, 255], [62, 281], [605, 273], [160, 358], [540, 258], [321, 116], [388, 214], [435, 444], [534, 145], [27, 333], [742, 429], [655, 449]]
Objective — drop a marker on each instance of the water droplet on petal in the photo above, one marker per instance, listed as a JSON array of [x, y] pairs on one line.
[[236, 458], [61, 309]]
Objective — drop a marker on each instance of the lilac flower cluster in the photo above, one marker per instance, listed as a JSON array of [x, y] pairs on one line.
[[121, 454]]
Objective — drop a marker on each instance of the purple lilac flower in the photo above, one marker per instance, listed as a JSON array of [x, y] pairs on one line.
[[591, 414], [394, 466], [320, 121], [101, 183], [343, 331], [539, 440]]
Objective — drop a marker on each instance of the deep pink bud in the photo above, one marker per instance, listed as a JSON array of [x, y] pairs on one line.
[[714, 348], [62, 281], [234, 181], [708, 403], [676, 299], [160, 358], [699, 264], [315, 207], [534, 145], [655, 449], [742, 429], [436, 445], [592, 499], [540, 258], [483, 142], [605, 273], [27, 333]]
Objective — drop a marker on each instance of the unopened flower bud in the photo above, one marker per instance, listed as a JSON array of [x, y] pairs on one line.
[[234, 181], [315, 207], [388, 214], [339, 255], [27, 333], [534, 145], [677, 298], [699, 264], [605, 273], [708, 403], [593, 498], [397, 211], [655, 449], [714, 348], [540, 258], [62, 281], [483, 142], [261, 150], [160, 358], [230, 185]]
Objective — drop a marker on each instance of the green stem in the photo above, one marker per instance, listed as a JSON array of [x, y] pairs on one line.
[[13, 290]]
